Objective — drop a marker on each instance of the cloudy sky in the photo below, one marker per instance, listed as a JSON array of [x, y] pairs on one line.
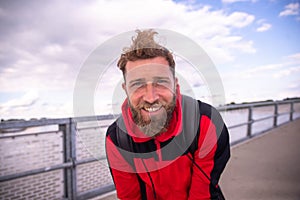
[[254, 45]]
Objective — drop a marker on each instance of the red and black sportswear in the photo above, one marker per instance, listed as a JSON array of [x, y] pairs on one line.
[[155, 171]]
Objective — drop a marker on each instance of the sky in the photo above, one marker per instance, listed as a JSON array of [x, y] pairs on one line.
[[254, 45]]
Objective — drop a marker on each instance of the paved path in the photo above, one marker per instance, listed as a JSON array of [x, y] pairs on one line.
[[266, 167]]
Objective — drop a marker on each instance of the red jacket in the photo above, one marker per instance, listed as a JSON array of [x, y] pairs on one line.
[[159, 168]]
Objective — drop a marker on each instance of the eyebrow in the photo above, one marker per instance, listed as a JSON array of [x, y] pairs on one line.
[[137, 80], [161, 77], [154, 78]]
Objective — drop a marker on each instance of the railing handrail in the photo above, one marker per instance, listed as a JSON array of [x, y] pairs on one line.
[[49, 121], [255, 104], [58, 121]]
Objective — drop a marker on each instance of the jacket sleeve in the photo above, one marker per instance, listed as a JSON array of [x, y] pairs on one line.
[[126, 182], [210, 158]]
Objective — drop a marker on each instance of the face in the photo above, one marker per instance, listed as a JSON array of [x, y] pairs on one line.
[[151, 90]]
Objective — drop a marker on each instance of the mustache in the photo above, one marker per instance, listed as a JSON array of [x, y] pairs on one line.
[[148, 105]]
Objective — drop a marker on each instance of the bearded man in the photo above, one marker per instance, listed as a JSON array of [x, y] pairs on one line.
[[165, 145]]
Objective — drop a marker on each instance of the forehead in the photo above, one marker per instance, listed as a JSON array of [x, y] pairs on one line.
[[157, 60], [148, 68]]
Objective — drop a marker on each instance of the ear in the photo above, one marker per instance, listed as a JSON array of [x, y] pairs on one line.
[[176, 82], [124, 86]]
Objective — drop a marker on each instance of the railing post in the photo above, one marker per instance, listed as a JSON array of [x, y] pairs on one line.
[[69, 151], [291, 111], [275, 114], [250, 121]]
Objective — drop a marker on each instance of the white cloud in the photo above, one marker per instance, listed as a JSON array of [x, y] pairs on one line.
[[32, 105], [294, 85], [58, 35], [32, 72], [290, 9], [287, 72], [52, 50], [294, 58], [27, 99], [239, 19], [275, 80], [235, 1], [2, 12], [264, 27], [44, 50], [290, 64], [52, 47]]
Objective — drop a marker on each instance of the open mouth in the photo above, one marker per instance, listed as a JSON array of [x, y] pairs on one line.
[[153, 108]]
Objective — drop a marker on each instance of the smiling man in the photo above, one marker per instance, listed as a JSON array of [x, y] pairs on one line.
[[150, 86], [164, 145]]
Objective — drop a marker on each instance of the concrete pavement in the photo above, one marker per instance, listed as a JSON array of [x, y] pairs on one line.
[[266, 167]]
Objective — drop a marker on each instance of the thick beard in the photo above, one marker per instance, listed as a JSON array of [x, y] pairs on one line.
[[156, 124]]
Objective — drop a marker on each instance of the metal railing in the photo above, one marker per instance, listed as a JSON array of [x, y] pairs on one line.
[[70, 163], [250, 120], [68, 126]]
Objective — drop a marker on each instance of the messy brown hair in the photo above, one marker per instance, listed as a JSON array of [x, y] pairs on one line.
[[144, 47]]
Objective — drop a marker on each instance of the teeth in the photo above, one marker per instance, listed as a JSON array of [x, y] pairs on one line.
[[153, 108]]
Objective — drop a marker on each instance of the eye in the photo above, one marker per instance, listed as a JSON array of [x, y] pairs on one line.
[[162, 81], [137, 84]]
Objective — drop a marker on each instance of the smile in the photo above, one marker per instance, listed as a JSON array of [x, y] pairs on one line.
[[153, 108]]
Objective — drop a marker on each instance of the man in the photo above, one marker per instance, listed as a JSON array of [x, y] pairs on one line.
[[164, 145]]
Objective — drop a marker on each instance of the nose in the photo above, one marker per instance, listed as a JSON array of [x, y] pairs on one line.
[[151, 94]]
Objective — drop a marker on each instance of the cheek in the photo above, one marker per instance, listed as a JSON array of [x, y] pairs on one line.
[[134, 99], [167, 96]]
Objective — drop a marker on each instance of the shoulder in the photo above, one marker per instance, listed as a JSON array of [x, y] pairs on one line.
[[117, 135], [207, 109], [211, 114], [112, 132], [111, 129]]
